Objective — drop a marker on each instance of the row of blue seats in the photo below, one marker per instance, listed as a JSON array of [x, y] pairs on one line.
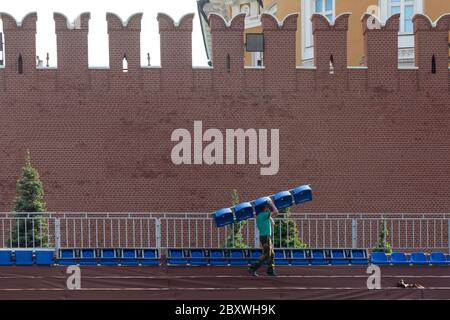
[[415, 258], [26, 257], [221, 257], [127, 256], [109, 257], [214, 256]]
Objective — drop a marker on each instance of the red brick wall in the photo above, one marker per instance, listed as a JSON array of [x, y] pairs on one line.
[[367, 140]]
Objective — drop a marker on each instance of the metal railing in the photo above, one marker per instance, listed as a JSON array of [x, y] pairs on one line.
[[406, 232]]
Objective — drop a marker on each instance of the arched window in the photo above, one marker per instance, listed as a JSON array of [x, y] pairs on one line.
[[331, 65], [124, 63], [433, 64], [20, 64]]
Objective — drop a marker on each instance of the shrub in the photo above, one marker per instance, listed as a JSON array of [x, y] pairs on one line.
[[30, 229], [235, 239], [382, 243]]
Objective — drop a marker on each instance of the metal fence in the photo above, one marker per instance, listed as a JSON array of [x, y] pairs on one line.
[[407, 232]]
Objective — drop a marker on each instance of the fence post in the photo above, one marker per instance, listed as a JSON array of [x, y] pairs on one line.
[[354, 231], [57, 235], [448, 235], [158, 233], [256, 233]]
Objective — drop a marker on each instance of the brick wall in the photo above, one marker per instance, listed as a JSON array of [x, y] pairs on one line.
[[373, 139]]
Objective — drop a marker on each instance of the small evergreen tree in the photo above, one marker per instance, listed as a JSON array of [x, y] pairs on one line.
[[382, 243], [30, 229], [286, 232], [235, 239]]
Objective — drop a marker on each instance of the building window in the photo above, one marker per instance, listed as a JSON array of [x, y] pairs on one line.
[[407, 9], [308, 8], [1, 49], [245, 8], [325, 7], [257, 60]]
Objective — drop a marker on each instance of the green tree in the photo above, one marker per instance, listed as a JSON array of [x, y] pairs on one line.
[[30, 228], [382, 243], [286, 231], [235, 238]]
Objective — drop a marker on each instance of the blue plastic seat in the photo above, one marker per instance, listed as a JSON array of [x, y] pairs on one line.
[[198, 258], [223, 217], [280, 258], [399, 258], [109, 258], [176, 257], [338, 257], [299, 257], [237, 257], [283, 200], [88, 257], [302, 194], [243, 211], [255, 254], [67, 257], [318, 257], [359, 257], [45, 257], [419, 258], [260, 203], [218, 258], [150, 257], [437, 258], [24, 257], [129, 257], [6, 258], [379, 258]]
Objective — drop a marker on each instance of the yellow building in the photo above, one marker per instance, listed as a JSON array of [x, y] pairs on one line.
[[331, 9]]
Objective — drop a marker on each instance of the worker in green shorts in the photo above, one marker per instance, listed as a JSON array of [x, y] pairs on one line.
[[265, 224]]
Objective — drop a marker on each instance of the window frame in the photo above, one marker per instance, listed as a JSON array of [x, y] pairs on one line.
[[402, 4], [308, 8], [386, 9]]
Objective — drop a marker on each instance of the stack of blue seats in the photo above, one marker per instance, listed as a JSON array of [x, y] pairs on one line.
[[248, 210]]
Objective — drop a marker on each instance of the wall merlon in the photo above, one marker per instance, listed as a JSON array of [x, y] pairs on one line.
[[330, 43], [391, 24], [27, 23], [116, 23], [62, 23], [166, 22], [217, 22], [279, 52], [431, 51], [124, 42], [320, 22], [270, 22]]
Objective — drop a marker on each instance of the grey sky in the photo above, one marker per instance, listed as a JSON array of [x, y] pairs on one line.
[[98, 38]]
